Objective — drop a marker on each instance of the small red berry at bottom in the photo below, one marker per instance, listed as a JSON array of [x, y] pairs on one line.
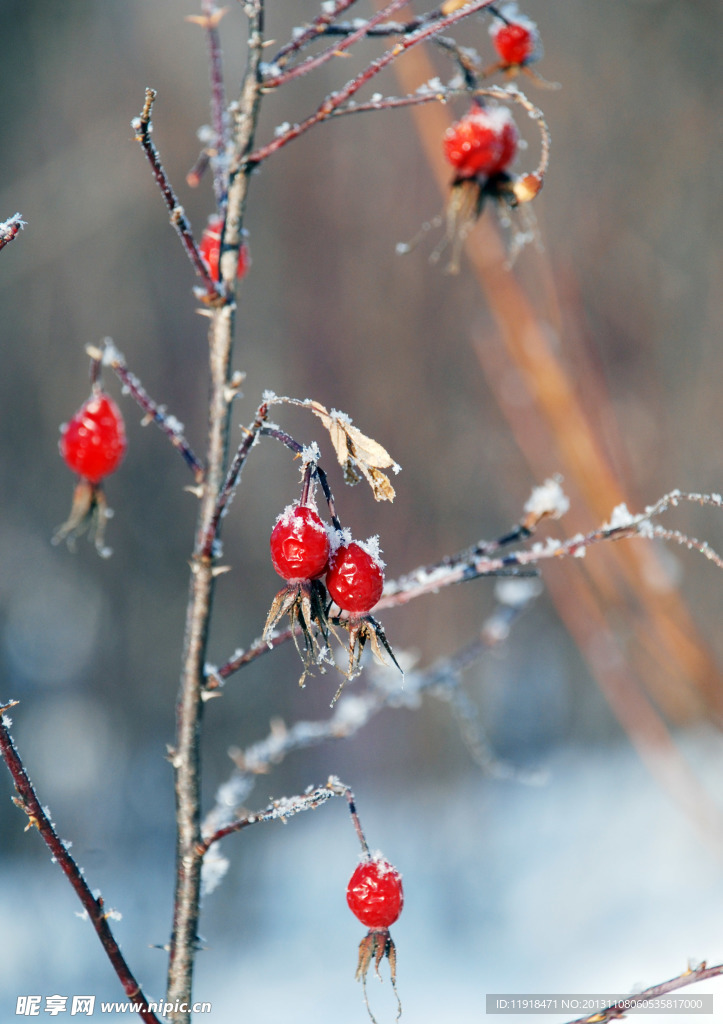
[[299, 545], [355, 579], [210, 249], [93, 443], [375, 894]]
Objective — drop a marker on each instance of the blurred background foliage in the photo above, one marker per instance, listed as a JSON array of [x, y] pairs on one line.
[[626, 297]]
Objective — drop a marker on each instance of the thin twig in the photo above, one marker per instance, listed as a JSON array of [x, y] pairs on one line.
[[338, 99], [279, 810], [233, 476], [312, 63], [94, 906], [319, 26], [618, 1010], [110, 356], [141, 125]]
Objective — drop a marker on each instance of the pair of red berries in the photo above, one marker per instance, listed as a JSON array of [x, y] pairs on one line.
[[93, 442], [210, 249], [301, 550]]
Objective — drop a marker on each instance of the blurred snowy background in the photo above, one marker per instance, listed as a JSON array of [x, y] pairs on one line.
[[593, 881]]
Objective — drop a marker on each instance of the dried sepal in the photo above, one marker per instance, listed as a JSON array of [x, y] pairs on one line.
[[305, 604], [89, 513], [377, 945], [361, 631]]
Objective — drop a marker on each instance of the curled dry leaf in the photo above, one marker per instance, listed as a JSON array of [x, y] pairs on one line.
[[358, 454]]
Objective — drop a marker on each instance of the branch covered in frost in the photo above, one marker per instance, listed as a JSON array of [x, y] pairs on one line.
[[279, 810], [10, 228], [622, 526], [110, 356], [353, 711], [692, 975], [38, 817]]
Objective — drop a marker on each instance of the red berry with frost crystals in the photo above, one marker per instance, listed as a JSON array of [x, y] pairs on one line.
[[93, 443], [482, 143], [515, 43], [355, 579], [375, 894], [299, 545], [210, 249]]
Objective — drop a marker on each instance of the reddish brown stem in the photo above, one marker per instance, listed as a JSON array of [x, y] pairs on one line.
[[338, 99], [28, 801], [142, 127], [617, 1010]]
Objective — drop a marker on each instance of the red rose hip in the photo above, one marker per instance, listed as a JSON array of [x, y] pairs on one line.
[[482, 143], [299, 545], [515, 44], [375, 894], [355, 579], [93, 443], [210, 249]]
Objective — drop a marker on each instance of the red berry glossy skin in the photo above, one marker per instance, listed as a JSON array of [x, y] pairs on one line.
[[482, 143], [355, 579], [299, 545], [93, 443], [516, 44], [375, 894], [210, 249]]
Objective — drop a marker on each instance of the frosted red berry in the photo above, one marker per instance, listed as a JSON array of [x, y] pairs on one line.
[[210, 249], [299, 545], [482, 143], [93, 443], [355, 579], [375, 894], [515, 42]]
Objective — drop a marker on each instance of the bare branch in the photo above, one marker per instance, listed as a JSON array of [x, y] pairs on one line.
[[619, 1010], [94, 906], [110, 356], [338, 99], [142, 126]]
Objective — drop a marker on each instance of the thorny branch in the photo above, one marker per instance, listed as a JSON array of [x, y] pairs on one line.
[[94, 906]]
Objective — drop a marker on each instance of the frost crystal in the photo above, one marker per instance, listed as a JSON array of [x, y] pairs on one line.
[[548, 500], [328, 6], [371, 546], [517, 593], [310, 453], [213, 870], [282, 129], [620, 519]]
